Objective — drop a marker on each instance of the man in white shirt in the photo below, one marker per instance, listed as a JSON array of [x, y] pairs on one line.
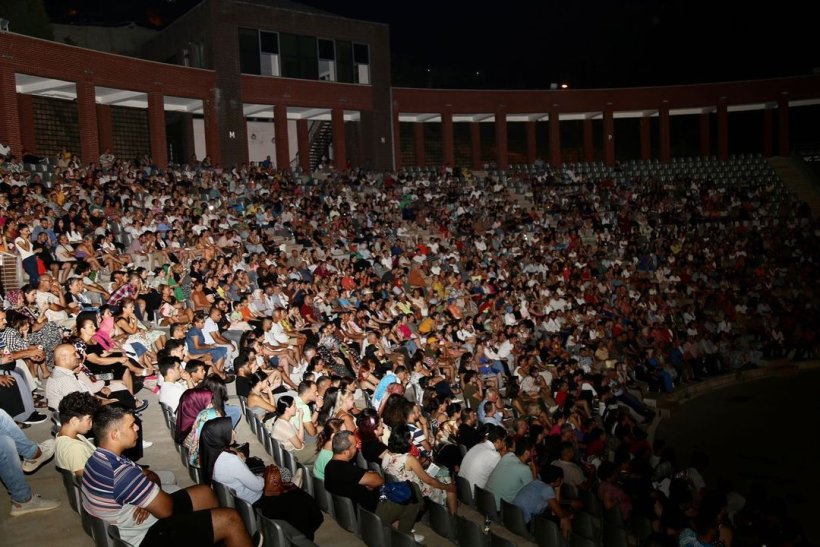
[[210, 331], [173, 384], [481, 459]]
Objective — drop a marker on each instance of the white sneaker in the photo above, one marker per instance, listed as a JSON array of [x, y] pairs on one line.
[[36, 503], [46, 452], [418, 538], [147, 444]]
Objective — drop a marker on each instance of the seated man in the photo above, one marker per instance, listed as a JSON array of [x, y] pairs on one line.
[[116, 490], [344, 478], [68, 376], [175, 381], [72, 449]]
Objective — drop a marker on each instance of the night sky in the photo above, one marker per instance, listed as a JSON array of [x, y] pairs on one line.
[[592, 43]]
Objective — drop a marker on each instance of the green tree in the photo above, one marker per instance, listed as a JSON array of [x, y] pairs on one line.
[[27, 17]]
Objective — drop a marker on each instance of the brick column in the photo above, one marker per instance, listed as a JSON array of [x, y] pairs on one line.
[[397, 163], [337, 118], [448, 152], [609, 136], [555, 137], [723, 129], [156, 128], [646, 138], [531, 145], [280, 127], [303, 138], [705, 133], [502, 157], [768, 133], [212, 144], [105, 127], [663, 126], [87, 122], [475, 145], [10, 120], [589, 146], [784, 148], [25, 109], [418, 129]]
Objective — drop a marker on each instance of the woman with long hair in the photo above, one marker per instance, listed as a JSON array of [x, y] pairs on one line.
[[324, 443], [400, 463], [292, 437], [219, 462], [370, 429], [43, 332], [214, 409], [342, 410]]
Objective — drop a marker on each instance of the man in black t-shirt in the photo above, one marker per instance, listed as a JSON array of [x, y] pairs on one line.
[[468, 434], [343, 478]]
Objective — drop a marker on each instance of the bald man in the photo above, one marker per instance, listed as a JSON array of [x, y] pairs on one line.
[[68, 376]]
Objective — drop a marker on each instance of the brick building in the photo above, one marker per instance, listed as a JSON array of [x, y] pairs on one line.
[[239, 81]]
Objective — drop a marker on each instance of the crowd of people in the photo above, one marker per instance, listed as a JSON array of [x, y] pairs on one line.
[[434, 324]]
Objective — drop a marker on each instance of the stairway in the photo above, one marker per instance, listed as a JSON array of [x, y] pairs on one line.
[[321, 135], [800, 179]]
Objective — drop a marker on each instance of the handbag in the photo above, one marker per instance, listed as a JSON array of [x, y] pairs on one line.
[[401, 492]]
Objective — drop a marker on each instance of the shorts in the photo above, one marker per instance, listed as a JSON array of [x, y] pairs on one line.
[[184, 527]]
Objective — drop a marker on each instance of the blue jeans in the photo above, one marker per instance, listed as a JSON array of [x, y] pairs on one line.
[[13, 444], [234, 413], [30, 267]]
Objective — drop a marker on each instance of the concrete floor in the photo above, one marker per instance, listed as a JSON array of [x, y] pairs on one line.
[[62, 526]]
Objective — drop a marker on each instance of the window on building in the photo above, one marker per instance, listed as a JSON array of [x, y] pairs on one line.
[[361, 63], [299, 56], [269, 53], [327, 59], [249, 58], [344, 61]]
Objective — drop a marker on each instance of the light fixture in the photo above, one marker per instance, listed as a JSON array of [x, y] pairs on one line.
[[564, 86]]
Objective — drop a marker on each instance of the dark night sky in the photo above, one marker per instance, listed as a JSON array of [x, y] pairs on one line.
[[591, 43]]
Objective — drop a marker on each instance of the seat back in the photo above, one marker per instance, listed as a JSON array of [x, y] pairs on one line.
[[441, 521], [465, 491], [114, 536], [184, 455], [289, 460], [72, 488], [223, 494], [260, 430], [513, 518], [373, 466], [547, 533], [471, 533], [345, 513], [195, 473], [485, 503], [400, 539], [280, 533], [322, 496], [245, 511], [307, 479], [576, 540], [99, 531], [373, 530], [498, 541], [584, 524], [277, 451]]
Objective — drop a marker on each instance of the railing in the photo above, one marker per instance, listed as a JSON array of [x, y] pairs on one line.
[[11, 271]]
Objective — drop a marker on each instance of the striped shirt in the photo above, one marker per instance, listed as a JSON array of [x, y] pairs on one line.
[[113, 486]]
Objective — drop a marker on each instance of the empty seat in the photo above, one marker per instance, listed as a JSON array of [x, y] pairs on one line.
[[441, 521], [374, 532], [345, 513], [465, 491], [513, 519], [486, 504], [547, 533], [471, 533], [280, 533]]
